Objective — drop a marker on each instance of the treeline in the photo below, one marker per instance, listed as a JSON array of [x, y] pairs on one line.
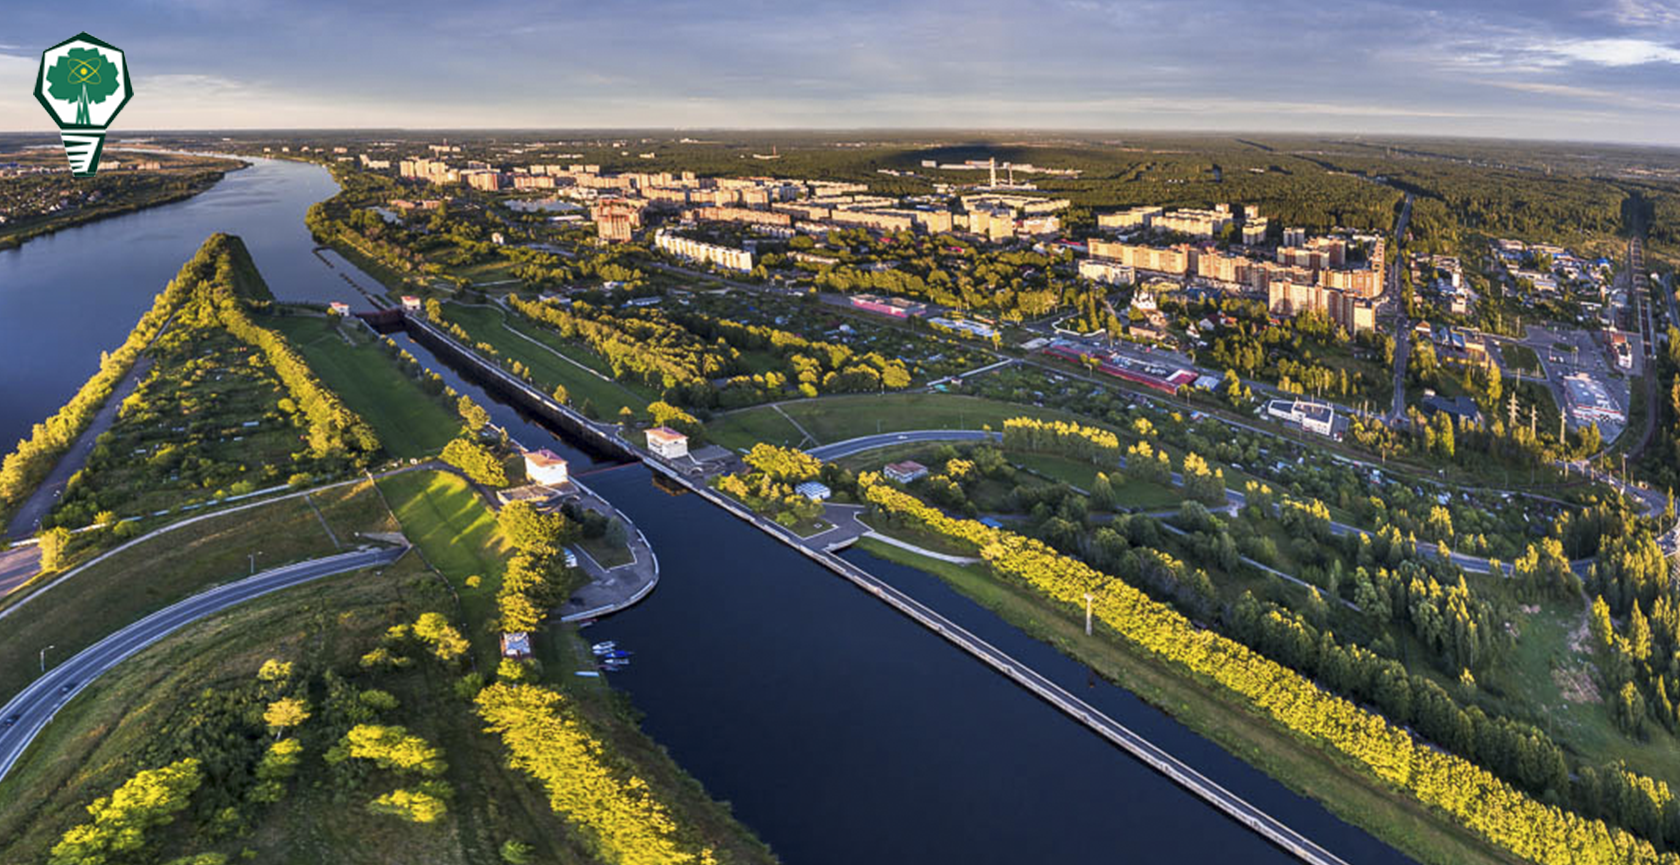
[[648, 350], [617, 810], [1471, 795], [333, 429], [530, 585], [1076, 441], [34, 457], [810, 366]]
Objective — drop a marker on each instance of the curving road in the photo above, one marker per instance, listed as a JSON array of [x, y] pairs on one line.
[[1235, 498], [36, 704]]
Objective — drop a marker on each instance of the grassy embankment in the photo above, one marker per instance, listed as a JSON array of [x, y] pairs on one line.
[[1350, 794], [552, 359], [133, 713], [409, 421], [157, 572], [458, 535]]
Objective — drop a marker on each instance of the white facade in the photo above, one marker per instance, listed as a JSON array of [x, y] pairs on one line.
[[694, 250], [667, 443]]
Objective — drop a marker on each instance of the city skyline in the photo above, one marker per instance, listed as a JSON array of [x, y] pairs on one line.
[[1494, 69]]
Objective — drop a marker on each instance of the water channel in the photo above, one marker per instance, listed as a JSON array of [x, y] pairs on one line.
[[840, 731]]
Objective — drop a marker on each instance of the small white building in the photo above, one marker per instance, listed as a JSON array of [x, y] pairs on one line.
[[667, 442], [546, 467], [516, 644], [411, 303], [338, 307], [905, 472], [816, 491]]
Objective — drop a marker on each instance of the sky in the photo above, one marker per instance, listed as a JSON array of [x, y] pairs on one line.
[[1552, 69]]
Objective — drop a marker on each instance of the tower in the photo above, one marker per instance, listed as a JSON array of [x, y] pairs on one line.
[[992, 164]]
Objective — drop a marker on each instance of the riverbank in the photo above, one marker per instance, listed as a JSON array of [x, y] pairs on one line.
[[120, 192]]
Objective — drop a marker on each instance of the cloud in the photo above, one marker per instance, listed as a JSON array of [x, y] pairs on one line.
[[1612, 52], [1642, 13]]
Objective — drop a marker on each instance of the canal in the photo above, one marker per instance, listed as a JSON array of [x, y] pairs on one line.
[[840, 731]]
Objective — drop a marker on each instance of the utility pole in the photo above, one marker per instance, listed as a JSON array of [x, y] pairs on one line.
[[44, 655]]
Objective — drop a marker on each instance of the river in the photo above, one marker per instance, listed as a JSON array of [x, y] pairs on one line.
[[840, 731]]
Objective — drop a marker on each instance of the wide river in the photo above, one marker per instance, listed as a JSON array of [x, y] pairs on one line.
[[839, 730]]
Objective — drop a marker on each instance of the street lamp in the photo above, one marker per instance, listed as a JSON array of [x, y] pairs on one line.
[[44, 659], [1088, 598], [253, 558]]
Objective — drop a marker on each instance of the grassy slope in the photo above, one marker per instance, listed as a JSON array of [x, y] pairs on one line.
[[837, 418], [155, 574], [485, 324], [458, 535], [91, 747], [410, 423], [1344, 790]]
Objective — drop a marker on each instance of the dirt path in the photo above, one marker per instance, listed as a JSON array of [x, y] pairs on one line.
[[28, 518]]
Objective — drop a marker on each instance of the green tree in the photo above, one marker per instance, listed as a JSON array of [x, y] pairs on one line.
[[53, 543], [285, 713]]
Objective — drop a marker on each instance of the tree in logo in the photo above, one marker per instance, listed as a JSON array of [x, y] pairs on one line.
[[82, 76]]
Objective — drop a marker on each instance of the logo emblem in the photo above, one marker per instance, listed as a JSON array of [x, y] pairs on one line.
[[83, 83]]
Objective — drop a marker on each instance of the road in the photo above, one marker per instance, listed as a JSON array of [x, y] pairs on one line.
[[28, 518], [17, 565], [36, 704], [1234, 498]]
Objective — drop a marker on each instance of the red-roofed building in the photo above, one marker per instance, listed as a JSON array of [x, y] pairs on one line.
[[667, 442]]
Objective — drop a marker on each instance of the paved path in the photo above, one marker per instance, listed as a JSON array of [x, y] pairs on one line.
[[17, 565], [28, 518], [611, 589], [37, 704]]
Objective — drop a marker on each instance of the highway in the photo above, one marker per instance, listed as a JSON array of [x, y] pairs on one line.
[[37, 704]]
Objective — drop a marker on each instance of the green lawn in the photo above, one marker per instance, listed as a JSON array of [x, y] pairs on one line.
[[1345, 790], [154, 574], [1520, 357], [409, 421], [547, 367], [837, 418], [1138, 494]]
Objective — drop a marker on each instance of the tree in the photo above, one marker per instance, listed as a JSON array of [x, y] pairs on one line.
[[447, 642], [1102, 494], [531, 530], [274, 670], [53, 543], [560, 394], [285, 713], [472, 414], [476, 462], [516, 852]]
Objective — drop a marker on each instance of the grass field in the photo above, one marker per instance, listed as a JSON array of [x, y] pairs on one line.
[[410, 422], [544, 358], [1305, 768], [837, 418], [1136, 494], [158, 572], [1520, 358], [136, 713]]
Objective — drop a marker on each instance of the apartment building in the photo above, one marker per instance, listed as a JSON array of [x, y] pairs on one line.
[[694, 250], [1136, 217], [615, 219]]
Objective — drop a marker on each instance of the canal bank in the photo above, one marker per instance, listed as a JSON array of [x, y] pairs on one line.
[[1298, 844], [840, 734]]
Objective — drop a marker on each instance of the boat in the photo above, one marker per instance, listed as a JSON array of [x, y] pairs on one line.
[[606, 644], [617, 653], [590, 673]]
